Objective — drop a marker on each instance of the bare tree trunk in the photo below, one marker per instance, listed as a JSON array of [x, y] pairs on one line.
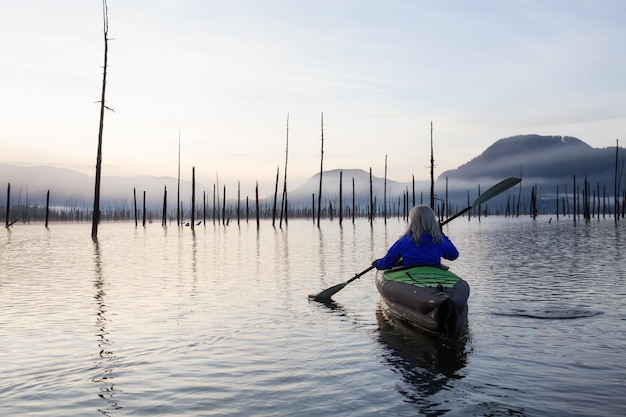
[[164, 217], [574, 205], [275, 198], [371, 199], [214, 207], [532, 202], [143, 223], [353, 201], [47, 206], [566, 202], [479, 208], [135, 204], [557, 202], [284, 207], [586, 215], [193, 197], [256, 190], [178, 219], [340, 197], [319, 196], [447, 211], [598, 188], [6, 223], [432, 170], [385, 193], [224, 207], [217, 180], [519, 194], [616, 195], [96, 197]]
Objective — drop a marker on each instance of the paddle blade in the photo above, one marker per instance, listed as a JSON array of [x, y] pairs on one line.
[[327, 293], [500, 187]]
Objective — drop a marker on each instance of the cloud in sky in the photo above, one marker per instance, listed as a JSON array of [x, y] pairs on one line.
[[226, 74]]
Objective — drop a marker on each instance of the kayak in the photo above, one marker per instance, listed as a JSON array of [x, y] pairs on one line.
[[429, 298]]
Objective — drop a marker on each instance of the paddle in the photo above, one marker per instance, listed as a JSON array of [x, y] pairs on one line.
[[487, 195]]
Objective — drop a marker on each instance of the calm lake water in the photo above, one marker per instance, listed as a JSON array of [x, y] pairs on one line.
[[217, 322]]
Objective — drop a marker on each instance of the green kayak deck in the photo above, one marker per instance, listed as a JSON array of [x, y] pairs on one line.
[[423, 276]]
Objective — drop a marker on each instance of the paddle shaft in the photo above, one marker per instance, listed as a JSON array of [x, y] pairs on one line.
[[460, 213], [357, 276]]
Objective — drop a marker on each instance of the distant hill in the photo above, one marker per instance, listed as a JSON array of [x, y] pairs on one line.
[[547, 161], [72, 188], [349, 177]]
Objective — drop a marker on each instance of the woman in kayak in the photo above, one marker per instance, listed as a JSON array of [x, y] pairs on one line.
[[423, 244]]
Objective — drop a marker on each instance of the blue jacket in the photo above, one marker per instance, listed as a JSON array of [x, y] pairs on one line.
[[427, 253]]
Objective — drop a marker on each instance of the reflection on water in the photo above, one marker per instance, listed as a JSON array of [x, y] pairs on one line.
[[430, 352], [217, 321], [427, 363], [105, 366]]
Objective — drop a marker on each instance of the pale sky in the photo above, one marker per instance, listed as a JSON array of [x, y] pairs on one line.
[[227, 73]]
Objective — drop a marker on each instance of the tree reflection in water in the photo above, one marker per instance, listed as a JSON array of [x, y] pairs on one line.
[[105, 363]]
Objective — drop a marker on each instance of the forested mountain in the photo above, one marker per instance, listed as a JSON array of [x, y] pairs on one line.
[[542, 159]]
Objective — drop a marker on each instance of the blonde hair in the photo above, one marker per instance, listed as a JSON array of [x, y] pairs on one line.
[[422, 220]]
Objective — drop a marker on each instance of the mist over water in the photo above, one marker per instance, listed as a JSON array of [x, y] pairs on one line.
[[217, 321]]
